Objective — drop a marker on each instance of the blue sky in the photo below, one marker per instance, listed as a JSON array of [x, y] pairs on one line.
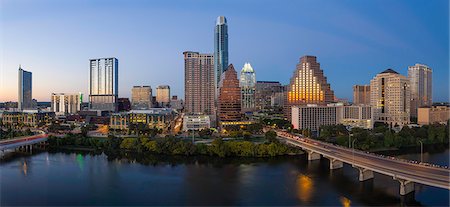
[[353, 40]]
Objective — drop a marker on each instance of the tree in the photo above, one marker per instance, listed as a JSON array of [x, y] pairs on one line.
[[271, 136]]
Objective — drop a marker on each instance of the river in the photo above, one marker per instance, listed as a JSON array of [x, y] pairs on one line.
[[73, 178]]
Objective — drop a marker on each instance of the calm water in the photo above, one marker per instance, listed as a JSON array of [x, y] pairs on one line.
[[77, 179]]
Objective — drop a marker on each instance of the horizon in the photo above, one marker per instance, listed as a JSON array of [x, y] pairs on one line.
[[361, 39]]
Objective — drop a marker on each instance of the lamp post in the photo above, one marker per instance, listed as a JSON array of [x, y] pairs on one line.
[[353, 150], [421, 151], [349, 136]]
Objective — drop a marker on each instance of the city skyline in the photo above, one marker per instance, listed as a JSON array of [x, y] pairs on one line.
[[383, 44]]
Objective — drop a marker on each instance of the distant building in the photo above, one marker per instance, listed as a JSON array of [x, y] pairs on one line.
[[390, 98], [64, 104], [25, 90], [176, 103], [220, 48], [229, 100], [420, 79], [199, 83], [308, 85], [33, 118], [361, 94], [141, 97], [313, 116], [159, 118], [124, 104], [357, 116], [247, 82], [163, 95], [103, 84], [433, 115], [196, 122], [264, 90], [277, 99]]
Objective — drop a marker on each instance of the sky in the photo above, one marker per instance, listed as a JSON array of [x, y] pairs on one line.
[[352, 39]]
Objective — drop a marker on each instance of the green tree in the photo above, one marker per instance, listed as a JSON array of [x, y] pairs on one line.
[[271, 136]]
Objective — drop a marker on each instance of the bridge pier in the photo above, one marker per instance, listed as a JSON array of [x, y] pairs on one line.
[[335, 164], [406, 186], [313, 155], [364, 174]]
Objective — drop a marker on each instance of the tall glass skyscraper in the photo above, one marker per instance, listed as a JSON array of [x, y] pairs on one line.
[[247, 83], [25, 90], [103, 84], [220, 47]]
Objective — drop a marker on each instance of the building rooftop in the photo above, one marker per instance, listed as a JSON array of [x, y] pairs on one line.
[[221, 20], [247, 68], [389, 71]]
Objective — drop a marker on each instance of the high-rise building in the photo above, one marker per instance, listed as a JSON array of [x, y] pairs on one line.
[[420, 79], [124, 104], [25, 90], [361, 94], [63, 103], [229, 100], [390, 98], [264, 91], [163, 95], [220, 47], [199, 83], [141, 97], [308, 85], [103, 84], [247, 82]]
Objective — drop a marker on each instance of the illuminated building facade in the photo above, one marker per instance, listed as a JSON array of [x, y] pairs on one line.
[[308, 85], [163, 95], [420, 77], [220, 48], [103, 84], [25, 89], [229, 100], [32, 119], [159, 118], [141, 97], [66, 103], [247, 82], [390, 98]]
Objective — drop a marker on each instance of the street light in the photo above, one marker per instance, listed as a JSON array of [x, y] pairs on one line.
[[349, 135], [421, 151], [353, 150]]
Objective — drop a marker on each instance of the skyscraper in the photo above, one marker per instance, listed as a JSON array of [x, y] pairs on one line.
[[361, 94], [103, 84], [220, 47], [25, 90], [420, 79], [141, 97], [63, 103], [264, 91], [308, 85], [229, 100], [390, 98], [199, 83], [163, 95], [247, 82]]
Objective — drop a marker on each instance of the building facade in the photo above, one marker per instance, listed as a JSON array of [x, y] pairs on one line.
[[313, 116], [124, 104], [420, 79], [163, 95], [220, 48], [31, 119], [390, 98], [229, 100], [141, 97], [361, 94], [357, 116], [25, 90], [64, 104], [264, 90], [159, 118], [103, 84], [196, 122], [199, 83], [247, 82], [308, 85], [433, 115]]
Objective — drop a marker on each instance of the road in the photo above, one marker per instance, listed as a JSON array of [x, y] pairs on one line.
[[399, 169]]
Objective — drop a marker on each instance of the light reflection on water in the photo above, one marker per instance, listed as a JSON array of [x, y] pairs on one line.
[[304, 188]]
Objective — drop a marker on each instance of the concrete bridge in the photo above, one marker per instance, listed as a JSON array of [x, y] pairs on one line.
[[404, 171], [23, 142]]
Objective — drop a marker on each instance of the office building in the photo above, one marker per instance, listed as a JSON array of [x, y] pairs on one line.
[[31, 118], [229, 99], [220, 47], [247, 82], [359, 116], [141, 97], [390, 98], [308, 85], [264, 90], [361, 94], [196, 122], [313, 116], [163, 95], [103, 84], [199, 83], [159, 118], [420, 79], [65, 104], [25, 90], [176, 104], [433, 115]]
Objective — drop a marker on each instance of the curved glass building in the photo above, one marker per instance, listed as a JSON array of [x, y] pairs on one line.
[[247, 82]]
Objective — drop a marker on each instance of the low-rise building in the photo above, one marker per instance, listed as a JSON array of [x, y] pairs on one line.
[[32, 119], [313, 116], [63, 103], [433, 115], [159, 118], [196, 122], [357, 116]]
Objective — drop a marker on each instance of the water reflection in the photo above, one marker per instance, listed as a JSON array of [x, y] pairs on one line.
[[304, 188], [345, 201], [80, 161], [24, 167]]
